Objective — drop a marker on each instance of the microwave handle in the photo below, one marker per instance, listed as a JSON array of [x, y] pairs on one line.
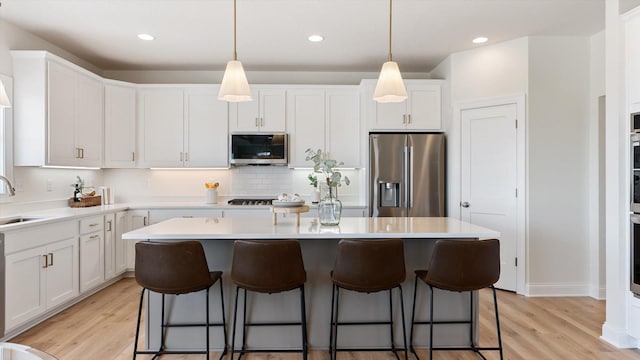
[[635, 218]]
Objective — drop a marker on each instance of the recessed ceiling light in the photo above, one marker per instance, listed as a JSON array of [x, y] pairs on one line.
[[146, 37], [480, 40], [315, 38]]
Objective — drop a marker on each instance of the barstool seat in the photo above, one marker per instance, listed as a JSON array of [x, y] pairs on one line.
[[460, 266], [268, 266], [367, 266], [175, 268]]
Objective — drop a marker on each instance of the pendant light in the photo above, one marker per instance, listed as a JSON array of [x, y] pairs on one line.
[[4, 99], [390, 87], [234, 87]]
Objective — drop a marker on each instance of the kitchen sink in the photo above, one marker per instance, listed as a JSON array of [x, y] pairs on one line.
[[18, 219]]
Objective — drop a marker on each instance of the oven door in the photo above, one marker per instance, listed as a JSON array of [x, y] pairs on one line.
[[635, 253]]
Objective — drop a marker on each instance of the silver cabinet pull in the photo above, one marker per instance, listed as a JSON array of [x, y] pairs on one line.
[[181, 156], [464, 204], [109, 225], [409, 117], [51, 257], [46, 261], [133, 156], [94, 224], [404, 118]]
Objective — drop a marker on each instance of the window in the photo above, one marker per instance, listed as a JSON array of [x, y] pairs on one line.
[[6, 137]]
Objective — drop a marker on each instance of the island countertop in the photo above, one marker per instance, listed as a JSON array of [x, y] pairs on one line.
[[350, 227]]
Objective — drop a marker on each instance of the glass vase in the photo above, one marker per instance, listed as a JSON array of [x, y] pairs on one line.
[[329, 207]]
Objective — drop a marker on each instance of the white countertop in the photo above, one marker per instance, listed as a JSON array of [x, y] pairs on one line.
[[350, 227]]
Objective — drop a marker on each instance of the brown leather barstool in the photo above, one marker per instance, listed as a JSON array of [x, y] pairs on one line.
[[176, 268], [367, 266], [270, 266], [460, 265]]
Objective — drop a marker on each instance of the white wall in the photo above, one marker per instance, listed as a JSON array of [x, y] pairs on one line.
[[558, 134]]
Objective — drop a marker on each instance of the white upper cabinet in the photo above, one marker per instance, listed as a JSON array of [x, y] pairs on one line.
[[326, 118], [58, 112], [422, 111], [266, 113], [182, 127], [119, 125], [632, 37]]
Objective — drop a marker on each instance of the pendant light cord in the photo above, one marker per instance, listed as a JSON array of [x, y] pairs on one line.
[[390, 19], [235, 54]]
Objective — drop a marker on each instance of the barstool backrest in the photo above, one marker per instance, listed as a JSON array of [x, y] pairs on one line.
[[267, 266], [464, 265], [172, 267], [369, 265]]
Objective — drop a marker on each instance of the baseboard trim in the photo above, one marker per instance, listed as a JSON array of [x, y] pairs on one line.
[[561, 289], [618, 337]]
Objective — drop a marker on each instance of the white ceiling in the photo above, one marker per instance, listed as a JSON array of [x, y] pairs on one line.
[[272, 34]]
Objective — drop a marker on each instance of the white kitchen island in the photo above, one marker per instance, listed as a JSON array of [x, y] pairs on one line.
[[318, 249]]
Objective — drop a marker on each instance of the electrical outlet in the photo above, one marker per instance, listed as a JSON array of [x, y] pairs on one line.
[[19, 186], [49, 185]]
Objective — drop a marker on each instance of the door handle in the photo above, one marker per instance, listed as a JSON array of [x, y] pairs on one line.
[[464, 204]]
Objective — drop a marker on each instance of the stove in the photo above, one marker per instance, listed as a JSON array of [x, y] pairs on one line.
[[262, 201]]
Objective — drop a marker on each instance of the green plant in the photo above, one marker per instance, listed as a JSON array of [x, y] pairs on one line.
[[313, 180], [326, 166]]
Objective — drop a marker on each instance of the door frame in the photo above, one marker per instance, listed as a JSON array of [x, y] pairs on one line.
[[455, 160]]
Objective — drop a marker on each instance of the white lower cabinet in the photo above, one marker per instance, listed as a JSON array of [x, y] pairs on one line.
[[109, 246], [120, 256], [137, 219], [42, 270], [91, 252]]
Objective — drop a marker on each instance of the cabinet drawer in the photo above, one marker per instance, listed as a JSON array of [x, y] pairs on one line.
[[91, 224], [39, 236]]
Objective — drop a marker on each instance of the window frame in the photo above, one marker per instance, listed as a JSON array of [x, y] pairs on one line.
[[6, 139]]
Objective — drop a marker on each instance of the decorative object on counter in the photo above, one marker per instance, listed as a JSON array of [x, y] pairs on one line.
[[313, 181], [288, 204], [390, 87], [285, 200], [234, 87], [329, 207], [212, 191], [81, 199], [108, 196]]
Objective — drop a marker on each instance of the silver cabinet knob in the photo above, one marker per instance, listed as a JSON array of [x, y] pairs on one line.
[[464, 204]]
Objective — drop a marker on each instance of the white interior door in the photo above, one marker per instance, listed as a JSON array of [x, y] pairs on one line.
[[489, 179]]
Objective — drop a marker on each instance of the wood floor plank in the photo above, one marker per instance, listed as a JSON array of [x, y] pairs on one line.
[[102, 327]]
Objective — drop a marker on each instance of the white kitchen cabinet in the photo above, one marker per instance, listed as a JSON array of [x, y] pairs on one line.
[[137, 219], [121, 226], [41, 270], [119, 125], [109, 246], [158, 215], [632, 47], [58, 110], [266, 113], [91, 252], [422, 111], [326, 118], [182, 127]]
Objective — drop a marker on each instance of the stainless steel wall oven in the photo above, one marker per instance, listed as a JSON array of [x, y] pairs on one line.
[[635, 204]]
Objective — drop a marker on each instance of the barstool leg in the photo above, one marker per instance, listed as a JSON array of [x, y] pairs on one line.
[[135, 343], [431, 323], [206, 325], [471, 323], [404, 331], [244, 324], [335, 339], [303, 311], [495, 308], [235, 322], [331, 322], [393, 347], [161, 328], [413, 318], [224, 323]]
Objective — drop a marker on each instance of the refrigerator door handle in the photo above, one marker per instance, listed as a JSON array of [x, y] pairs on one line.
[[405, 153], [410, 179]]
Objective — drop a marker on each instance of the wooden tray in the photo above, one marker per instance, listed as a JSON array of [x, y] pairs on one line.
[[86, 201]]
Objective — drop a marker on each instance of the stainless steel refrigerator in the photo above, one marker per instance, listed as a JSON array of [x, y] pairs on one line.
[[407, 174]]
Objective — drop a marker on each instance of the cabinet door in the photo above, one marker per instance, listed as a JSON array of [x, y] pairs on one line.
[[206, 129], [91, 260], [109, 247], [89, 114], [306, 124], [424, 107], [120, 126], [161, 127], [632, 47], [137, 219], [344, 131], [61, 147], [62, 272], [389, 116], [272, 110], [25, 286], [243, 116], [121, 226]]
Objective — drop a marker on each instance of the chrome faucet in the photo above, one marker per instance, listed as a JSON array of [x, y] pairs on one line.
[[12, 191]]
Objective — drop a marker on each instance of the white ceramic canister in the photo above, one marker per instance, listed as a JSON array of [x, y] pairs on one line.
[[212, 196]]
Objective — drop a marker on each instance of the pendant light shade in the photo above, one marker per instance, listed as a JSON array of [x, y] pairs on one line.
[[4, 99], [234, 87], [390, 87]]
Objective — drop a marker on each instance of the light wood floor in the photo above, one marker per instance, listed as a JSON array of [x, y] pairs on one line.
[[102, 328]]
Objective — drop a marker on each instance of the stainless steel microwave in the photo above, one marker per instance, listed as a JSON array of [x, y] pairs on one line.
[[258, 149]]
